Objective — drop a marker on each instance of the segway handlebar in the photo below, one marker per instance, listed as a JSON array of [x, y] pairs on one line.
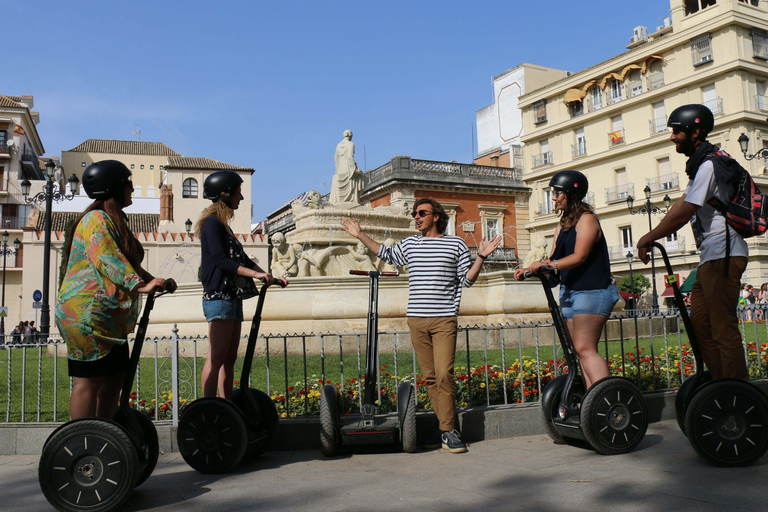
[[663, 251], [371, 272], [546, 269]]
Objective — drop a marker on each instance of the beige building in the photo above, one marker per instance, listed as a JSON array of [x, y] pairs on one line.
[[609, 121]]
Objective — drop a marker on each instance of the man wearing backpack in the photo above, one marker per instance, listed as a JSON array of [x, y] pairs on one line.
[[724, 252]]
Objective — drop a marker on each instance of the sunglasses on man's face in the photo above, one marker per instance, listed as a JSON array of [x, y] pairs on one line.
[[421, 213]]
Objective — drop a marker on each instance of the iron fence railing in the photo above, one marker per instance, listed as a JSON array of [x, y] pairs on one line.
[[542, 159], [664, 182], [715, 105], [495, 365], [619, 192], [658, 125]]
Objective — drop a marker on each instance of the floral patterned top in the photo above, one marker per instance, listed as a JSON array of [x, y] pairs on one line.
[[97, 307]]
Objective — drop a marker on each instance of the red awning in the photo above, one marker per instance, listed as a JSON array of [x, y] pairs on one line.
[[668, 292], [627, 295]]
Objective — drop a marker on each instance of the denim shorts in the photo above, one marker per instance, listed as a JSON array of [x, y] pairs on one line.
[[223, 310], [588, 302]]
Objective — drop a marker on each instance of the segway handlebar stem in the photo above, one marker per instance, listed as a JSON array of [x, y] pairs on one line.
[[371, 272]]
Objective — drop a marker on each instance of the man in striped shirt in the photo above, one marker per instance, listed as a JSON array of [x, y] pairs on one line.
[[438, 265]]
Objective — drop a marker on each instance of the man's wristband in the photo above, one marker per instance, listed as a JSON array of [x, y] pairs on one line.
[[481, 256]]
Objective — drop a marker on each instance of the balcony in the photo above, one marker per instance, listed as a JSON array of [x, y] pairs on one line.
[[595, 103], [665, 182], [619, 252], [675, 246], [4, 149], [542, 159], [545, 209], [590, 199], [613, 98], [517, 157], [655, 81], [500, 255], [658, 125], [579, 149], [634, 88], [12, 223], [31, 164], [619, 192], [576, 109], [617, 137], [761, 103], [715, 105]]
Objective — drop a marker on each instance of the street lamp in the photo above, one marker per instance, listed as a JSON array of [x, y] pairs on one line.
[[632, 280], [5, 252], [48, 195], [188, 226], [744, 143], [649, 208]]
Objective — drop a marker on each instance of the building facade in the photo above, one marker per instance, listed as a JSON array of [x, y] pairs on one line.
[[609, 122]]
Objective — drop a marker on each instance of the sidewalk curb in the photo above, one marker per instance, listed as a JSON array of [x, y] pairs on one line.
[[476, 424]]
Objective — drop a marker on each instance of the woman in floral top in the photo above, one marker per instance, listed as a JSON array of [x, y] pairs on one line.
[[227, 275], [98, 304]]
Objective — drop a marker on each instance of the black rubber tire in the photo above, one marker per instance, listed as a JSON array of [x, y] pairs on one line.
[[212, 435], [152, 445], [267, 424], [685, 393], [329, 420], [727, 423], [88, 464], [548, 416], [614, 417], [408, 427]]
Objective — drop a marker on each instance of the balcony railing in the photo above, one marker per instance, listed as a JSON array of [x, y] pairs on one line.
[[501, 255], [12, 223], [576, 109], [542, 159], [761, 103], [634, 88], [665, 182], [655, 81], [619, 192], [715, 105], [4, 148], [579, 149], [595, 105], [590, 199], [617, 137], [611, 98], [675, 246], [619, 252], [517, 157], [545, 209], [658, 125]]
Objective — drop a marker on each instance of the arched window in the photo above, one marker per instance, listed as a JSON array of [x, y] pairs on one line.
[[189, 188]]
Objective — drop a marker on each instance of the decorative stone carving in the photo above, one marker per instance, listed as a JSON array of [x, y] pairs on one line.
[[538, 252], [348, 181], [362, 258], [283, 257]]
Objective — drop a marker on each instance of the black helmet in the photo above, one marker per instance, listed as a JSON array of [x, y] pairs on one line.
[[106, 179], [571, 182], [693, 116], [220, 181]]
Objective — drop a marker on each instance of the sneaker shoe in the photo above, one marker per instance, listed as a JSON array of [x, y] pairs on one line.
[[434, 442], [452, 441]]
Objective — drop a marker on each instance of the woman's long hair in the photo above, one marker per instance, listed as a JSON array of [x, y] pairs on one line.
[[571, 215], [219, 209], [128, 244]]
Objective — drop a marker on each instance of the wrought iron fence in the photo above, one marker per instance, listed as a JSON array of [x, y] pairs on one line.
[[496, 365]]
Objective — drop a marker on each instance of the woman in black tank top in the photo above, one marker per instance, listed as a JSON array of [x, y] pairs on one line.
[[580, 257]]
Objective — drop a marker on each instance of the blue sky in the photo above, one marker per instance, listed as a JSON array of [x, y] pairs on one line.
[[272, 85]]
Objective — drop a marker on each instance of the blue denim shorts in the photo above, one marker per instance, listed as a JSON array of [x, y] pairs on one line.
[[223, 310], [588, 302]]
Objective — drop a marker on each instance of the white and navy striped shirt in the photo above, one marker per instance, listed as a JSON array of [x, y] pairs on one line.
[[437, 268]]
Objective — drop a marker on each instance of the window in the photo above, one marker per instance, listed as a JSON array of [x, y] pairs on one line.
[[615, 91], [672, 243], [759, 45], [659, 121], [617, 135], [142, 166], [545, 157], [3, 137], [701, 49], [626, 238], [752, 2], [710, 99], [82, 164], [492, 219], [692, 6], [539, 112], [189, 188], [580, 148], [491, 228], [132, 166], [161, 167], [760, 99], [635, 83], [546, 207], [151, 167], [576, 108], [655, 78], [596, 97]]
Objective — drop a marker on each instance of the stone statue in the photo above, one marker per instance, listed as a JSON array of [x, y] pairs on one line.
[[283, 257], [301, 261], [313, 203], [537, 253], [320, 259], [362, 258], [348, 181], [388, 267]]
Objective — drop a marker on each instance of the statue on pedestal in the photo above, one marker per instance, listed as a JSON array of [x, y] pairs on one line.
[[537, 253], [348, 181], [283, 257]]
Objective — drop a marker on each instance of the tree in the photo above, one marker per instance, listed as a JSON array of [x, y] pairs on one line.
[[642, 283]]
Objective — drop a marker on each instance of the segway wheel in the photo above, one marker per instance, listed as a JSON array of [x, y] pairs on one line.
[[149, 450], [613, 416], [550, 403], [267, 424], [212, 435], [408, 421], [329, 420], [686, 392], [727, 423], [88, 464]]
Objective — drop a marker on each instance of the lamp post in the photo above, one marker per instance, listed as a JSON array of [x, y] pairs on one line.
[[188, 226], [48, 195], [744, 143], [649, 208], [632, 281], [6, 251]]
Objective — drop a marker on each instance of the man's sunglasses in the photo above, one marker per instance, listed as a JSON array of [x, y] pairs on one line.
[[421, 213]]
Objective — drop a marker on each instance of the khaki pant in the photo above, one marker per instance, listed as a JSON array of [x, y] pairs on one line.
[[434, 340], [714, 299]]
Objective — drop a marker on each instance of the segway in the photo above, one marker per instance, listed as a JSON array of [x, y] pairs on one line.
[[215, 434], [611, 415], [725, 420], [92, 463], [370, 428]]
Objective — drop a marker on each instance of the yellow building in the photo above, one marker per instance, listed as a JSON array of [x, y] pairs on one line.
[[609, 122]]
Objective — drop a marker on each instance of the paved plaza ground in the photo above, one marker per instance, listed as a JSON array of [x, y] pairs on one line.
[[522, 473]]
